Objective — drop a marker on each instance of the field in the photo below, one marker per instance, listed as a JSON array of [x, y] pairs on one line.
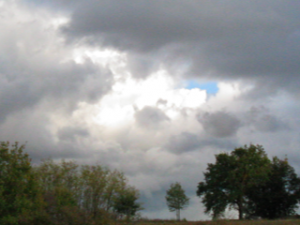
[[220, 222]]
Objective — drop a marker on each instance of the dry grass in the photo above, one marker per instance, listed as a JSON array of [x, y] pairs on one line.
[[219, 222]]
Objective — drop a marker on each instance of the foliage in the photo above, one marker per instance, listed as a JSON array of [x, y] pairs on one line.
[[58, 184], [89, 190], [231, 177], [125, 203], [60, 193], [19, 193], [100, 187], [176, 199], [278, 197]]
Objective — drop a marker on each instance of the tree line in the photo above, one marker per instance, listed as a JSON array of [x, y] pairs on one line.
[[67, 193], [245, 180], [61, 193]]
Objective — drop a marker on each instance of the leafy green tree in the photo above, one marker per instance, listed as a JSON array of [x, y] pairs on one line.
[[52, 175], [89, 190], [93, 185], [60, 193], [126, 202], [116, 183], [59, 185], [279, 196], [228, 180], [176, 199], [19, 192]]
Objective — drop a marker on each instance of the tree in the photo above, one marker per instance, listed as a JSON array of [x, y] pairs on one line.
[[176, 199], [74, 192], [125, 203], [19, 193], [60, 193], [278, 197], [59, 185], [231, 177]]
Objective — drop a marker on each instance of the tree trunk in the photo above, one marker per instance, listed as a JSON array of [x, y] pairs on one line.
[[240, 208], [178, 214]]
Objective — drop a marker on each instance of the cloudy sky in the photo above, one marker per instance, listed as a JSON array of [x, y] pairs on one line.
[[153, 88]]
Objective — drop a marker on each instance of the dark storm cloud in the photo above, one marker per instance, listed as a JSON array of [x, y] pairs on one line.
[[225, 39], [151, 24], [150, 117], [219, 124]]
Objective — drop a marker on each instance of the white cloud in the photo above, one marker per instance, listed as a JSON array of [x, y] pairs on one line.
[[98, 99]]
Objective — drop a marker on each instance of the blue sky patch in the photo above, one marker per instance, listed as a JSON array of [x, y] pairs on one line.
[[210, 87]]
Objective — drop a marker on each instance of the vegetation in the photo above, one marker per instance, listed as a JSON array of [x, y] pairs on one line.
[[66, 193], [19, 194], [278, 196], [248, 181], [60, 193], [126, 205], [176, 199]]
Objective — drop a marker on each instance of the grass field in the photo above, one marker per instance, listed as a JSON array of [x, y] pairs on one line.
[[219, 222]]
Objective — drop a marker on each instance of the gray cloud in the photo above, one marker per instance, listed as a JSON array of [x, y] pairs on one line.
[[154, 24], [183, 142], [66, 83], [249, 39], [31, 72], [262, 120], [186, 142], [70, 133], [219, 124], [55, 104], [150, 117]]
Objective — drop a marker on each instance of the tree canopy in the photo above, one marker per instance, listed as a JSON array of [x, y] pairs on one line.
[[67, 193], [248, 181], [278, 196], [60, 193], [176, 199], [228, 180], [19, 195], [126, 203], [93, 189]]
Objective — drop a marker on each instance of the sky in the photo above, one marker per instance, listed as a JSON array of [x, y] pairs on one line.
[[153, 88]]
